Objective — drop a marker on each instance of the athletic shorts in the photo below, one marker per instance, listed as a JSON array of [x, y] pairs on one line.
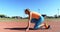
[[37, 22]]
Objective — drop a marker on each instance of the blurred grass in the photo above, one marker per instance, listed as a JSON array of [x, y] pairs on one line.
[[25, 20], [52, 18], [12, 20]]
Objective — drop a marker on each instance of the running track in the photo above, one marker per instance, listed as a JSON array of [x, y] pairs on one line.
[[19, 27]]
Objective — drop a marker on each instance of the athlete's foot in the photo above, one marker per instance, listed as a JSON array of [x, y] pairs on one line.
[[48, 27]]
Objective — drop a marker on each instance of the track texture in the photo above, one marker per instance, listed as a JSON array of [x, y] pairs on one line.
[[21, 27]]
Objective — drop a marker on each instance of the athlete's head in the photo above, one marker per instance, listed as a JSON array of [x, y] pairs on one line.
[[27, 11]]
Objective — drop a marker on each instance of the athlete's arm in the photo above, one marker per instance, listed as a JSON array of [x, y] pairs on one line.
[[29, 21]]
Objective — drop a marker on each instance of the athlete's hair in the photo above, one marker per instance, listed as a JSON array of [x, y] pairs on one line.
[[27, 10]]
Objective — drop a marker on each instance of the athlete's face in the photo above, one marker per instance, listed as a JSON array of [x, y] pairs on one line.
[[26, 12]]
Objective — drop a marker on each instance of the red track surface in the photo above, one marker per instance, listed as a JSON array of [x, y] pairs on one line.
[[16, 27]]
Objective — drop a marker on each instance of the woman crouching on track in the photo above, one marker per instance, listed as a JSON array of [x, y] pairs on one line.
[[35, 18]]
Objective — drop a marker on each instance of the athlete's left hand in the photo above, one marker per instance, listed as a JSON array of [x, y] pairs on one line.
[[27, 30]]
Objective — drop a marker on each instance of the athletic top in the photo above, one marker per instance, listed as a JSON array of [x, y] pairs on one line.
[[35, 15]]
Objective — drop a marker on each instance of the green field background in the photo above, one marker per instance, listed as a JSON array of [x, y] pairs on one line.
[[25, 20]]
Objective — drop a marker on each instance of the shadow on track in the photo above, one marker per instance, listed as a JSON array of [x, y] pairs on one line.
[[24, 28]]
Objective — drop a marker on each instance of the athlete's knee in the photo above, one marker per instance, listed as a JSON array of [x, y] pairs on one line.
[[35, 28]]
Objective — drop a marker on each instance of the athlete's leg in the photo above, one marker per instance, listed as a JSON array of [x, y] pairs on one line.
[[39, 22], [34, 20]]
